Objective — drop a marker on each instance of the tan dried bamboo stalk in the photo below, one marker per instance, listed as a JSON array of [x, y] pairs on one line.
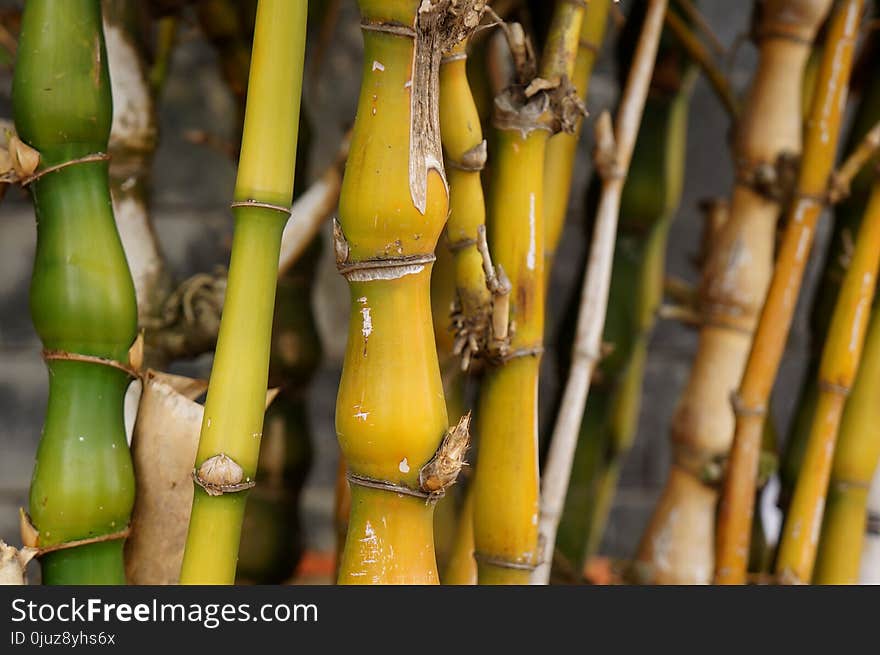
[[677, 545], [751, 400], [614, 152]]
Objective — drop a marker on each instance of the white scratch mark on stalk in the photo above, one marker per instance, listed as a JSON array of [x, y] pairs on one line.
[[377, 66], [404, 465], [530, 257]]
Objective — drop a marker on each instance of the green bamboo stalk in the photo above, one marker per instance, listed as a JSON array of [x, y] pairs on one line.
[[82, 297], [233, 424]]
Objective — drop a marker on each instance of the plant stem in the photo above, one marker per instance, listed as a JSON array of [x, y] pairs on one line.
[[562, 147], [735, 276], [390, 410], [617, 149], [750, 402], [82, 297], [506, 483], [234, 409]]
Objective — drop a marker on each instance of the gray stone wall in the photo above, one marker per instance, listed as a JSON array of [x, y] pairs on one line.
[[192, 189]]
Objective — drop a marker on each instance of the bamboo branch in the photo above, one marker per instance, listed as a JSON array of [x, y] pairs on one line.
[[858, 158], [700, 54], [696, 17], [613, 164]]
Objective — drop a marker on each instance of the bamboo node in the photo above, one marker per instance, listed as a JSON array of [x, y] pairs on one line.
[[220, 475], [87, 159], [61, 355], [472, 161], [774, 180], [385, 485], [442, 470], [30, 537], [377, 268], [501, 562], [740, 409], [250, 202]]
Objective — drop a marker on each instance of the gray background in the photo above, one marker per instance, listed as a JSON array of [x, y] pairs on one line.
[[192, 188]]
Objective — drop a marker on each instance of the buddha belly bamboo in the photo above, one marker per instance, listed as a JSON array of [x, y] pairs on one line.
[[229, 445], [855, 463], [736, 274], [390, 410], [506, 482], [837, 371], [82, 297], [750, 402], [562, 147]]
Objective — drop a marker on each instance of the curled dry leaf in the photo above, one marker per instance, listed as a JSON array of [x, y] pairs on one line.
[[13, 564]]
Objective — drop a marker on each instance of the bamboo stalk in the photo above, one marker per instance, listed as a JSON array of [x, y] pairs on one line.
[[677, 546], [750, 401], [562, 147], [614, 153], [837, 371], [230, 441], [506, 483], [847, 218], [82, 297], [390, 411], [855, 463]]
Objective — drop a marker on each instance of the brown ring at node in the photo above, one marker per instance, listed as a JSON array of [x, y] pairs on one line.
[[384, 485], [504, 563], [60, 355], [113, 536], [87, 159], [261, 205]]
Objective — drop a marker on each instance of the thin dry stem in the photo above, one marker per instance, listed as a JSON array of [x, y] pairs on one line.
[[594, 298], [864, 152]]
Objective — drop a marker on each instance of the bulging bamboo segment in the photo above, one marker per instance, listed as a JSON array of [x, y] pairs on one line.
[[82, 297], [562, 147], [233, 421], [736, 274], [390, 412], [854, 462], [750, 402]]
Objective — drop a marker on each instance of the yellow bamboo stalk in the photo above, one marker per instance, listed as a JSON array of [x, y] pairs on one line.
[[750, 402], [506, 483], [838, 369], [675, 548], [855, 463], [391, 417], [562, 147], [614, 153]]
